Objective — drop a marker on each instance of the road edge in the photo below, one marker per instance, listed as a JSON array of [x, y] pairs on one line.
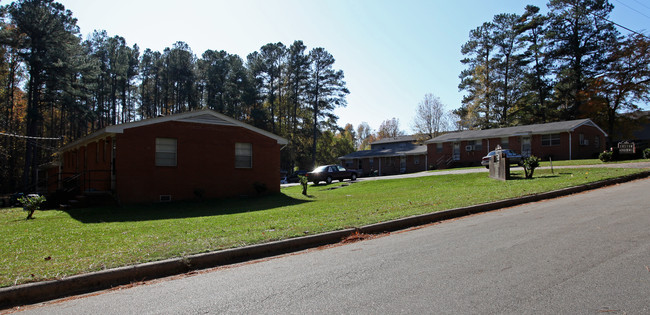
[[37, 292]]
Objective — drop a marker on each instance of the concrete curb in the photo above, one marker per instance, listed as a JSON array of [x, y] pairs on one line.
[[48, 290]]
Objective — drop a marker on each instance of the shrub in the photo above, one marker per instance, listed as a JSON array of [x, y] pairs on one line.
[[530, 164], [303, 182], [646, 153], [606, 156], [31, 203]]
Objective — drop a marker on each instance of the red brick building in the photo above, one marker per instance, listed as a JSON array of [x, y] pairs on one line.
[[195, 154], [388, 156], [566, 140]]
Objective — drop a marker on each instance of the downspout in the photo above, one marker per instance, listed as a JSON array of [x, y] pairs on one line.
[[570, 146]]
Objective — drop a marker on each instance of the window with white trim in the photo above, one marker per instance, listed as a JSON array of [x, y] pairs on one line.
[[550, 140], [166, 151], [243, 155]]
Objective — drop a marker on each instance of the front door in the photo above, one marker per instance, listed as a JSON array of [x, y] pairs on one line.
[[525, 146], [456, 155]]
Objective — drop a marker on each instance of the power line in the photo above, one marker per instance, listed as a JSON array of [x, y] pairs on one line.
[[641, 3], [633, 9], [28, 137], [36, 144], [621, 26]]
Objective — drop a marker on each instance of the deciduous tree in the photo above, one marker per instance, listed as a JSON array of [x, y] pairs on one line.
[[429, 118]]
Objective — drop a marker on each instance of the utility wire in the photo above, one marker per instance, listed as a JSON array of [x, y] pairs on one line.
[[633, 9], [28, 137], [641, 3]]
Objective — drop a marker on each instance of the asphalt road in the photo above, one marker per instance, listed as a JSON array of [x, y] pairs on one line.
[[584, 254]]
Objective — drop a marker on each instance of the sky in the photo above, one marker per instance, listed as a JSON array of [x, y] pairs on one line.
[[391, 52]]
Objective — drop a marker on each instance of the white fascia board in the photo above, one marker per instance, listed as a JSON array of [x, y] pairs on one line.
[[590, 123], [177, 117]]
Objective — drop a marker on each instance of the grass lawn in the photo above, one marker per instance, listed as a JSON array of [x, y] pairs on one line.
[[588, 162], [62, 243]]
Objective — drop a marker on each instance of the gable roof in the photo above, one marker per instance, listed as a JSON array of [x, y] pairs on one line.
[[548, 128], [204, 116]]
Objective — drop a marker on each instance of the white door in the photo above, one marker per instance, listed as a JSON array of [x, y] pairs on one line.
[[456, 151], [525, 146]]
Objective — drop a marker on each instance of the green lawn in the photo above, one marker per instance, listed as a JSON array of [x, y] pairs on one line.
[[588, 162], [62, 243]]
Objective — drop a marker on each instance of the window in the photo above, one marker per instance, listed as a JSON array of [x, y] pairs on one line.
[[166, 152], [597, 142], [439, 147], [478, 145], [551, 140], [505, 143], [474, 145], [243, 155], [416, 160]]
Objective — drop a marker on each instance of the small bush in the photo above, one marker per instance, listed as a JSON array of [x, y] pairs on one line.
[[606, 156], [646, 153], [303, 182], [31, 203], [530, 164]]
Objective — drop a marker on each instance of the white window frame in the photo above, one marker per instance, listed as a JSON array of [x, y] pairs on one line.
[[166, 152], [243, 155]]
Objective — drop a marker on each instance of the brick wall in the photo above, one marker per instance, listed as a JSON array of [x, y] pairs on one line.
[[594, 144], [205, 162]]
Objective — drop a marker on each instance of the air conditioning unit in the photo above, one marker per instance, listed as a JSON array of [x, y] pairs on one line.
[[584, 142], [469, 148]]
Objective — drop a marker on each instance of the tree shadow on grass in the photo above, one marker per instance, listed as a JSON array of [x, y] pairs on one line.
[[182, 209]]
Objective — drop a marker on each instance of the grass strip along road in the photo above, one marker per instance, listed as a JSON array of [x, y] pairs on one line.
[[57, 243]]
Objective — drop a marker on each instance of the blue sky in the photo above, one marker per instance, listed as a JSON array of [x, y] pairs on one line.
[[392, 52]]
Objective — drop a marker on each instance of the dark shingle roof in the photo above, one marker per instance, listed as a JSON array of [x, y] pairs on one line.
[[414, 150], [395, 139], [548, 128]]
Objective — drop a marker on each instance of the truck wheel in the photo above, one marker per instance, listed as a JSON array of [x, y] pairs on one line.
[[353, 177], [328, 180]]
